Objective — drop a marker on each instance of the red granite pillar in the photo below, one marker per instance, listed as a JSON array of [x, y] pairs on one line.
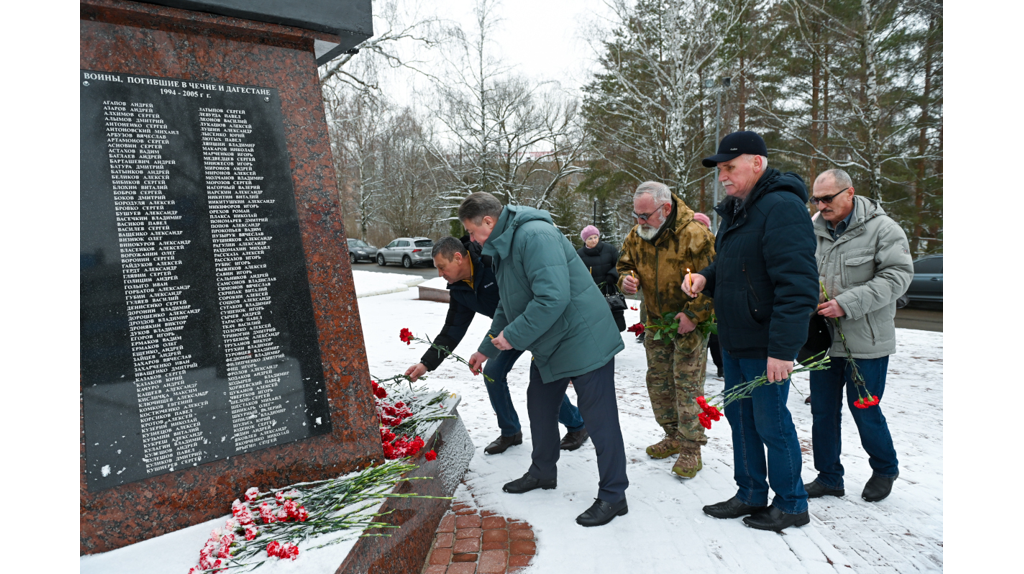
[[143, 39]]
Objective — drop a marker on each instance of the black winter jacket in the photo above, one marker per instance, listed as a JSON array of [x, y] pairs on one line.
[[764, 279], [600, 261], [464, 304]]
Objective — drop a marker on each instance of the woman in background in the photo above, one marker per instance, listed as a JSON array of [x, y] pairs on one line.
[[600, 258]]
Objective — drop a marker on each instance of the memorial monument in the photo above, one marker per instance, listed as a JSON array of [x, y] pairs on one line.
[[221, 343]]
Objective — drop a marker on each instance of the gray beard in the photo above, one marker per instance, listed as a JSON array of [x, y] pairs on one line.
[[647, 232]]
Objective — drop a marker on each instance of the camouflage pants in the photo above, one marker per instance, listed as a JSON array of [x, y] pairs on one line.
[[675, 378]]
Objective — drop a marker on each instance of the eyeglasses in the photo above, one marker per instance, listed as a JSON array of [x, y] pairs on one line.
[[823, 199], [643, 216]]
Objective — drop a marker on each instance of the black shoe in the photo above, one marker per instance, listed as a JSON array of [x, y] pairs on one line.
[[527, 482], [878, 487], [602, 512], [807, 401], [732, 508], [640, 339], [502, 443], [573, 440], [720, 374], [775, 519], [816, 489]]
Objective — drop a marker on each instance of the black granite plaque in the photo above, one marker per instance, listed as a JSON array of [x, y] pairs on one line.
[[197, 334]]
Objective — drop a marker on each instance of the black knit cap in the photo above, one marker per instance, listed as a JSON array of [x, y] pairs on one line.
[[735, 145]]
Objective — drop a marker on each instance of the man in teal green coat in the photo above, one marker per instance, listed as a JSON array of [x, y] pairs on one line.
[[551, 307]]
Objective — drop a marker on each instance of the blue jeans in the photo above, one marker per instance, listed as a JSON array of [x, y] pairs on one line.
[[501, 400], [763, 421], [827, 410]]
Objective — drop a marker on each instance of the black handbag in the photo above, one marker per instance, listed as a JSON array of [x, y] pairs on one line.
[[616, 301], [819, 338]]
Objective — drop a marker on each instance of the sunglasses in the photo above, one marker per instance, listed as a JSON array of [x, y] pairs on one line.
[[826, 198]]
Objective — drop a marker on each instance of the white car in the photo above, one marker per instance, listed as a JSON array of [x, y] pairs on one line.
[[408, 251]]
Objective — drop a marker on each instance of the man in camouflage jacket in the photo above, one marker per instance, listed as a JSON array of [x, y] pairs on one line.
[[655, 256]]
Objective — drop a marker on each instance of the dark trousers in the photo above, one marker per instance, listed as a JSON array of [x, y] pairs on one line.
[[716, 352], [501, 400], [596, 392]]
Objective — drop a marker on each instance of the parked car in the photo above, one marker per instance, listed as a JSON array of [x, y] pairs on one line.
[[927, 284], [408, 251], [359, 250]]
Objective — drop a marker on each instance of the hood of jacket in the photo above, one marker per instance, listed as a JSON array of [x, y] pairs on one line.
[[499, 245], [773, 181]]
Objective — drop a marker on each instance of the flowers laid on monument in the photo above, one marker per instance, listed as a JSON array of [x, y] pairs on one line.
[[406, 416], [271, 524], [712, 409], [265, 525]]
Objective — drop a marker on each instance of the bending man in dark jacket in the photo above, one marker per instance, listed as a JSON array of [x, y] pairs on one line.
[[551, 307], [765, 284], [473, 289]]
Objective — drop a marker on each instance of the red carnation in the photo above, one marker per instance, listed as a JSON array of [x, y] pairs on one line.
[[859, 403], [637, 329], [302, 515], [431, 455], [289, 550], [703, 403], [251, 494], [251, 532], [705, 421], [406, 336], [871, 402], [274, 548], [632, 309], [380, 393], [713, 413], [291, 509]]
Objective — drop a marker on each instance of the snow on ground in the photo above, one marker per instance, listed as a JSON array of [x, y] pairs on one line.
[[369, 283], [665, 530]]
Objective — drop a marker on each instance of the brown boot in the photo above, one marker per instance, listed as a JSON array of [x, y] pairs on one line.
[[689, 461], [667, 447]]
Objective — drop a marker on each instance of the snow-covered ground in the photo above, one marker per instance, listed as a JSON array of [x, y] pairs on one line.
[[665, 530], [370, 283]]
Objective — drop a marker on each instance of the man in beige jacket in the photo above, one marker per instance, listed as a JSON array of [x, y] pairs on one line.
[[865, 265]]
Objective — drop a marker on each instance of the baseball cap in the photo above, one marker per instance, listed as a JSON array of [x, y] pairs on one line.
[[735, 145]]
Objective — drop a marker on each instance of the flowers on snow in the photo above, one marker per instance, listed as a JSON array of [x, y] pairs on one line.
[[286, 550]]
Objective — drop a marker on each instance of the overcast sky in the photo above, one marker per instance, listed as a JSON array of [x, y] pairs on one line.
[[543, 39]]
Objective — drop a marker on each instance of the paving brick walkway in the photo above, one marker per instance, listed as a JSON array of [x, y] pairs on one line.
[[472, 542]]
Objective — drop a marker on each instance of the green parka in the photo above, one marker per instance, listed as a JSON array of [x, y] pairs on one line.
[[549, 304]]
